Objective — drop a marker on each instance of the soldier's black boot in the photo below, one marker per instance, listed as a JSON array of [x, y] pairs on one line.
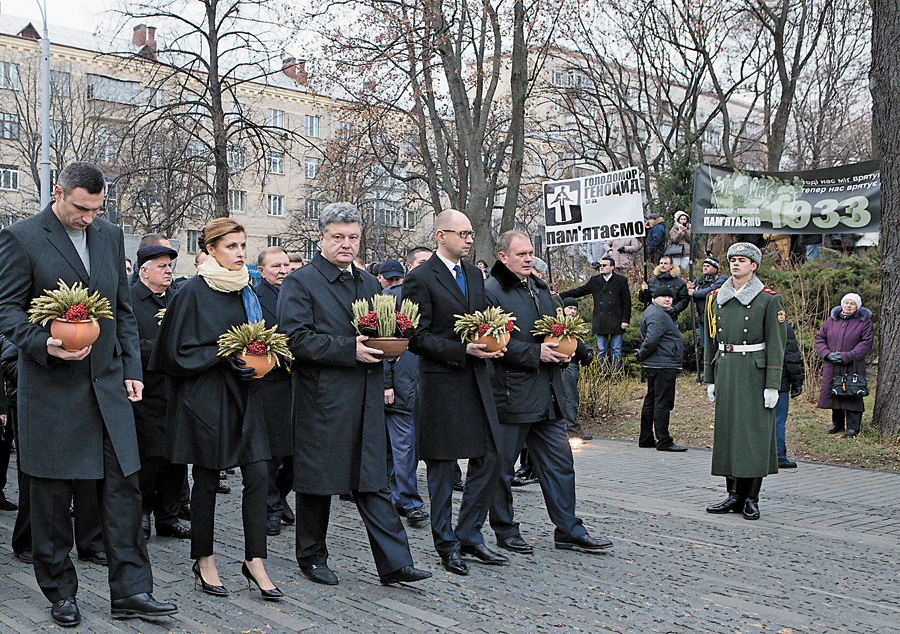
[[732, 503], [751, 504]]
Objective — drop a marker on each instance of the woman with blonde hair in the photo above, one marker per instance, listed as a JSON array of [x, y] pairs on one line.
[[214, 418]]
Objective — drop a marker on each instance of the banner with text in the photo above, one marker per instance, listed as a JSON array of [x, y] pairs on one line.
[[599, 207], [836, 200]]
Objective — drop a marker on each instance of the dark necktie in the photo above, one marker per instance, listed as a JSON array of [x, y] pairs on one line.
[[460, 279]]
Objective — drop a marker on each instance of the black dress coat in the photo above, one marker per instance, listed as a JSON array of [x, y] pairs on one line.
[[456, 402], [64, 406], [526, 390], [612, 302], [275, 387], [340, 439], [150, 411], [214, 418]]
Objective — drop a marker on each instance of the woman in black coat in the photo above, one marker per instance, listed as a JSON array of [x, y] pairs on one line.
[[214, 419]]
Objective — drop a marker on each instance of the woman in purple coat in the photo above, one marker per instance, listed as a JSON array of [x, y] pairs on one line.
[[843, 342]]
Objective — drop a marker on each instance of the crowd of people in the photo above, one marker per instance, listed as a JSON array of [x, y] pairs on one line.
[[111, 429]]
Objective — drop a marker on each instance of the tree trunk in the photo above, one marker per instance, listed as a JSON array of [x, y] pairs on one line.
[[884, 79]]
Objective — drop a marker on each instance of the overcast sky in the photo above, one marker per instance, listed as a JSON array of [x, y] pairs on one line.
[[78, 14]]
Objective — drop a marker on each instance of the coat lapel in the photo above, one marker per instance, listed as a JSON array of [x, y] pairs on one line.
[[96, 240], [60, 240]]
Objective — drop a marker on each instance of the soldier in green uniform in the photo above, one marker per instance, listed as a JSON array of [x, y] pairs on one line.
[[743, 354]]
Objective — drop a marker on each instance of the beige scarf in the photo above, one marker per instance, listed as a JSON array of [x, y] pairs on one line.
[[221, 279]]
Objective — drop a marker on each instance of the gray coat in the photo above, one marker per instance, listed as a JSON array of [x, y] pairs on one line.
[[661, 343], [64, 406], [338, 412]]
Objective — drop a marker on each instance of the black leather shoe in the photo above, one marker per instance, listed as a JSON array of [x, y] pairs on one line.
[[518, 481], [346, 497], [287, 515], [585, 544], [731, 503], [751, 509], [416, 517], [145, 525], [459, 485], [223, 475], [586, 437], [208, 588], [273, 525], [672, 448], [65, 612], [176, 530], [453, 562], [834, 429], [787, 464], [6, 505], [141, 605], [26, 557], [406, 573], [483, 554], [320, 573], [516, 544], [185, 512], [647, 445], [223, 488], [269, 595], [850, 434], [98, 558]]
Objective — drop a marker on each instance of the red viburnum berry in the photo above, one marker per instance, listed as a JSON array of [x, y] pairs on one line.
[[403, 321], [256, 348], [510, 326], [370, 320], [76, 313], [557, 330], [482, 329]]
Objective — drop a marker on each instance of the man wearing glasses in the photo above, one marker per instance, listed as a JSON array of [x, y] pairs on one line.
[[612, 310], [458, 416]]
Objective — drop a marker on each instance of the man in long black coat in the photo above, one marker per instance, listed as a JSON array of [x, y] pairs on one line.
[[338, 410], [457, 412], [528, 391], [75, 418], [161, 481]]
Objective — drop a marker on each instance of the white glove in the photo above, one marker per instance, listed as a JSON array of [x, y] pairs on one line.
[[711, 392], [770, 396]]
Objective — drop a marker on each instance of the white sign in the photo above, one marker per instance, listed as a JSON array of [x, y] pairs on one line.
[[591, 208]]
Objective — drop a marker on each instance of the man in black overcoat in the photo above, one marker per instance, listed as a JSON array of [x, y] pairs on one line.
[[457, 412], [75, 415], [528, 391], [338, 409], [161, 481], [275, 394]]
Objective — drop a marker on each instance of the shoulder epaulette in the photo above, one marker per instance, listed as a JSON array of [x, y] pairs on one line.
[[770, 291], [713, 292]]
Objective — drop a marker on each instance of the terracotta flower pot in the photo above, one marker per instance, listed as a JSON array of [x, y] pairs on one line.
[[392, 347], [75, 335], [566, 346], [260, 363], [491, 343]]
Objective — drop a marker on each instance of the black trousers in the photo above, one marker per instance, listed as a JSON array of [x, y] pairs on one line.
[[281, 481], [161, 483], [390, 546], [854, 419], [658, 404], [119, 510], [551, 457], [255, 478], [482, 477]]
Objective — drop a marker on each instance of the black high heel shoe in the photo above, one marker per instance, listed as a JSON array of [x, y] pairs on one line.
[[216, 591], [270, 595]]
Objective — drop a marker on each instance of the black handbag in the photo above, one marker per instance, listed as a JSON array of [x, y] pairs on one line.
[[849, 385]]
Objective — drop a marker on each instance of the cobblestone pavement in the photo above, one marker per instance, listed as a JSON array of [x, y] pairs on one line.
[[823, 558]]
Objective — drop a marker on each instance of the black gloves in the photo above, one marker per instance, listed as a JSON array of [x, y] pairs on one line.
[[239, 367], [796, 390], [588, 357], [834, 357]]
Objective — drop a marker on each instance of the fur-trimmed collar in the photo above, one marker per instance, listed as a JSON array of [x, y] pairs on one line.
[[863, 314], [748, 291], [509, 280], [675, 271]]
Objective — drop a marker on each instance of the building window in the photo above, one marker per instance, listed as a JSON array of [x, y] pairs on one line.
[[312, 126], [153, 97], [409, 220], [60, 83], [274, 241], [385, 215], [114, 90], [312, 208], [9, 177], [310, 248], [312, 167], [193, 241], [275, 205], [9, 126], [237, 158], [106, 145], [110, 199], [275, 118], [238, 200], [196, 149], [276, 163], [9, 75]]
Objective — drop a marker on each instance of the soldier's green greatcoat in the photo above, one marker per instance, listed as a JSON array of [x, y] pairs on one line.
[[744, 437]]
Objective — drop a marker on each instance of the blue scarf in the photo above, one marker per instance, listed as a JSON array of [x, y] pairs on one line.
[[251, 304]]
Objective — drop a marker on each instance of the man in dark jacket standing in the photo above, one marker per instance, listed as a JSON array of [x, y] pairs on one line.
[[528, 391], [338, 406], [458, 415], [160, 480], [660, 354], [612, 309], [655, 241], [792, 378], [700, 289], [75, 415], [666, 274]]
